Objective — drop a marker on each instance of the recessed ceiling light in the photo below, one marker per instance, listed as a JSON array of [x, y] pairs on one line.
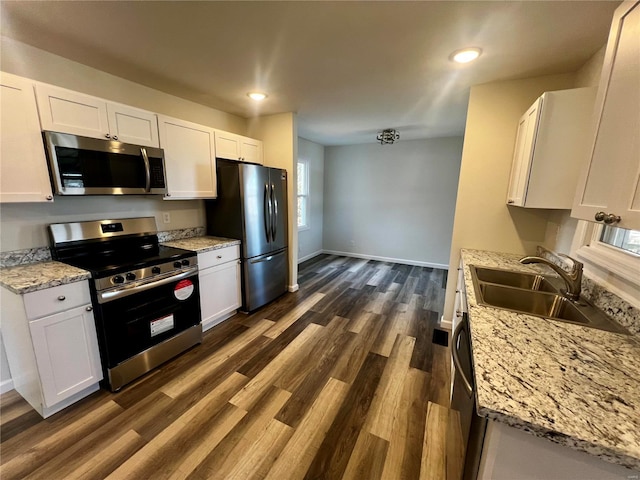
[[466, 55], [257, 95]]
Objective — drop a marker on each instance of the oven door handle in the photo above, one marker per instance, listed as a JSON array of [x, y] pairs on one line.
[[462, 326], [133, 288]]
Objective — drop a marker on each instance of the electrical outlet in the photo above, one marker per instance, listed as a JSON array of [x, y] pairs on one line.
[[166, 217]]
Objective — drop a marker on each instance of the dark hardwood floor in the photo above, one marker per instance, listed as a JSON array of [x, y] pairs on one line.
[[338, 380]]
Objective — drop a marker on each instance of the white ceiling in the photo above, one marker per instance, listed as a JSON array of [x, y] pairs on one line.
[[349, 69]]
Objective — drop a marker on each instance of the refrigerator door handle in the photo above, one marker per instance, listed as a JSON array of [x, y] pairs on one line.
[[274, 220], [267, 212]]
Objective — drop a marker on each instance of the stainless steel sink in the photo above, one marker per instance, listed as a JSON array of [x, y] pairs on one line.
[[529, 281], [535, 295]]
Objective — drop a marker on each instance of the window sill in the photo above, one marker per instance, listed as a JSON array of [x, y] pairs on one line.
[[615, 271], [304, 228]]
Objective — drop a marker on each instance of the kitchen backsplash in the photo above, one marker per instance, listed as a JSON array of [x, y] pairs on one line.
[[43, 254], [22, 257], [180, 234]]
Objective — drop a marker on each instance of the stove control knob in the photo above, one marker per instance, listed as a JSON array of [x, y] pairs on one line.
[[185, 262], [155, 270], [131, 276], [118, 279], [177, 264]]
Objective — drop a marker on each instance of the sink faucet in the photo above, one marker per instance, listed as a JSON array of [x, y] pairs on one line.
[[573, 279]]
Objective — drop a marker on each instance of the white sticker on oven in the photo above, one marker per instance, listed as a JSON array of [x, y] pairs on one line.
[[161, 325], [183, 289]]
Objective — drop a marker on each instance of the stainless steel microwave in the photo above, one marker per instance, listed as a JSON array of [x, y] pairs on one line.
[[90, 166]]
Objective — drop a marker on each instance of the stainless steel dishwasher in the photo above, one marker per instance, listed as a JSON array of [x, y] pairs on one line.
[[463, 399]]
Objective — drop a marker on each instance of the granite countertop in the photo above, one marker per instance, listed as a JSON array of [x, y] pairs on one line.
[[576, 386], [202, 244], [31, 277]]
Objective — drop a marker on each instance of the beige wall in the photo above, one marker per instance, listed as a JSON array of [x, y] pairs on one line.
[[23, 225], [27, 61], [482, 218], [279, 134]]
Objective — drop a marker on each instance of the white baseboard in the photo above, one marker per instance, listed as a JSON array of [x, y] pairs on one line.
[[444, 323], [294, 288], [388, 259], [310, 256], [6, 386]]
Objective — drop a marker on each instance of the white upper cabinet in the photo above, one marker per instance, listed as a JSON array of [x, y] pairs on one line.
[[549, 149], [190, 159], [66, 111], [23, 166], [236, 147], [609, 188]]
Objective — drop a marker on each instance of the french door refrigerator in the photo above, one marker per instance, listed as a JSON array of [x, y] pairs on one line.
[[252, 206]]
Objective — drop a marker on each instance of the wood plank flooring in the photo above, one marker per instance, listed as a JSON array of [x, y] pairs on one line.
[[340, 380]]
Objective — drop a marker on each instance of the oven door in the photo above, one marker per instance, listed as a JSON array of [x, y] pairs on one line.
[[147, 315]]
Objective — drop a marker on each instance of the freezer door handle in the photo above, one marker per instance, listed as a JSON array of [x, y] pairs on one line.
[[456, 358], [274, 220], [265, 259], [267, 212]]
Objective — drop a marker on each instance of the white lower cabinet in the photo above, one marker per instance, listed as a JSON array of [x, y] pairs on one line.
[[509, 453], [220, 295], [51, 345]]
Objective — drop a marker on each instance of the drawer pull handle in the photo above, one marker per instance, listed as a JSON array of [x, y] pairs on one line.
[[89, 309], [62, 298], [219, 257]]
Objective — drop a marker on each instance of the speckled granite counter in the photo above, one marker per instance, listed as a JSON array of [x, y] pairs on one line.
[[202, 244], [574, 385], [27, 278]]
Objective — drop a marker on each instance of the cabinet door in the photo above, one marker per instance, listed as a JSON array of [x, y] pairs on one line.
[[65, 111], [66, 350], [132, 125], [219, 292], [190, 159], [23, 164], [251, 150], [228, 145], [523, 155], [611, 181]]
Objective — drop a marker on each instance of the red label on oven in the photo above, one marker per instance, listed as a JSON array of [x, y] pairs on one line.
[[183, 289]]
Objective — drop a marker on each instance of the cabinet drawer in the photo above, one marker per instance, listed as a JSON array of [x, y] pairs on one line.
[[217, 257], [56, 299]]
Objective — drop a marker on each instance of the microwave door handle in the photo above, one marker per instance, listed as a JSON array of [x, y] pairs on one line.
[[147, 169], [456, 359]]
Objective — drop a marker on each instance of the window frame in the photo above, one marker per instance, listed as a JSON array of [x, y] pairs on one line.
[[611, 266], [305, 195]]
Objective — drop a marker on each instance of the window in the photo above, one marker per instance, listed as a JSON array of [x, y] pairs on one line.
[[628, 240], [611, 250], [303, 194]]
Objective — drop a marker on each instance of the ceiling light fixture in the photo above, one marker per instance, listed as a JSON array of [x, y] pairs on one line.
[[466, 55], [388, 136], [257, 96]]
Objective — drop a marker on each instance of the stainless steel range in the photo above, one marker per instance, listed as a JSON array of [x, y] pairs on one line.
[[145, 295]]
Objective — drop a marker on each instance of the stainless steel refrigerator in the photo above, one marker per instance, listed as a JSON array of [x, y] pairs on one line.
[[252, 206]]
